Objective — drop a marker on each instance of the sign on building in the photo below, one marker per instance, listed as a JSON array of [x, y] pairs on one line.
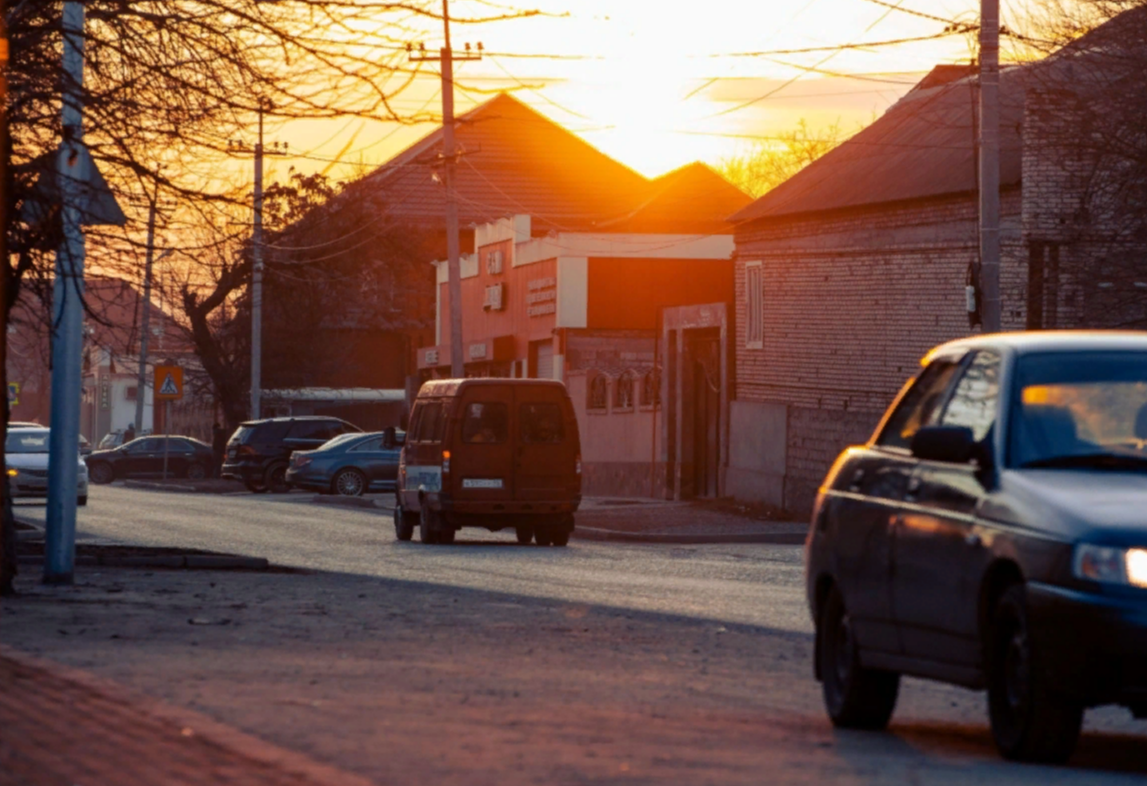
[[168, 383], [13, 393]]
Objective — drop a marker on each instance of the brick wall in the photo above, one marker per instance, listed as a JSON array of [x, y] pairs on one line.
[[851, 303]]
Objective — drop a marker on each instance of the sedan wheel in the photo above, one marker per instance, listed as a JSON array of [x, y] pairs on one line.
[[196, 472], [1030, 721], [349, 483], [855, 697], [101, 473]]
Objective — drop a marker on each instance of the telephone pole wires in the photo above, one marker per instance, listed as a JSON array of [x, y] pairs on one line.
[[447, 57], [990, 164], [257, 263]]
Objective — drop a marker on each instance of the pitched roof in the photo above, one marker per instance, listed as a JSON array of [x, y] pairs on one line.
[[515, 160], [691, 200], [924, 145]]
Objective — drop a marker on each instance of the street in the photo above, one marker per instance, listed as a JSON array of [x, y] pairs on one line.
[[488, 662]]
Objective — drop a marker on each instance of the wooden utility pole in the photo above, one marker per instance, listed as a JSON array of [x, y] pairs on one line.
[[447, 57], [990, 165]]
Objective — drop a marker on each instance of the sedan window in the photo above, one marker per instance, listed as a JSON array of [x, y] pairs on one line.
[[920, 406], [368, 445], [973, 403]]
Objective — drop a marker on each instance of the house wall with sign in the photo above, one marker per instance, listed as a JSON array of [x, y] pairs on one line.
[[584, 308]]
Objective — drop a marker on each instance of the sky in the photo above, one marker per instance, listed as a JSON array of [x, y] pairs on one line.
[[659, 84]]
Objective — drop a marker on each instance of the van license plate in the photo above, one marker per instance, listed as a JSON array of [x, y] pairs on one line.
[[481, 483]]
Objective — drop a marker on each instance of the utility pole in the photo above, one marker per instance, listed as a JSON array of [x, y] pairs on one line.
[[257, 264], [145, 317], [447, 57], [990, 164], [67, 316]]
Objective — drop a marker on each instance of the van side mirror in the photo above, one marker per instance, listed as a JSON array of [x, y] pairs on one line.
[[954, 444]]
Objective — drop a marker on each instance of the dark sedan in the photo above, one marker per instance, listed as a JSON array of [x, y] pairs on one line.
[[143, 457], [350, 465], [993, 534]]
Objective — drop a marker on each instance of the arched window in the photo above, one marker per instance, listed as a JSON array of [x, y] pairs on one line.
[[651, 388], [598, 392], [623, 391]]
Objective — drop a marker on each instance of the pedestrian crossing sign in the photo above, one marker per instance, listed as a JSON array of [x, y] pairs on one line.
[[168, 383]]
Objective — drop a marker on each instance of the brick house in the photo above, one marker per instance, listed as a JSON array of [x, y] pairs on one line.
[[848, 272]]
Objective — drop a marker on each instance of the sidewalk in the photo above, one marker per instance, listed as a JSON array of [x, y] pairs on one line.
[[639, 520], [68, 727]]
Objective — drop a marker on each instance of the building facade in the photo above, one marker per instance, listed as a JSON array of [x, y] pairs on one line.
[[601, 312]]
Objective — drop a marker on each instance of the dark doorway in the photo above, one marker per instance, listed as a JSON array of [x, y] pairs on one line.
[[705, 350]]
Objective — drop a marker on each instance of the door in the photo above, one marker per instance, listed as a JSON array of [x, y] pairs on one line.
[[546, 450], [142, 455], [867, 503], [938, 554], [482, 459], [706, 415], [544, 357], [380, 466], [179, 454]]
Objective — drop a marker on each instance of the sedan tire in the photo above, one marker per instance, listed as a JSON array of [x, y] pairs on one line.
[[254, 486], [196, 472], [1030, 720], [349, 483], [101, 473], [855, 697]]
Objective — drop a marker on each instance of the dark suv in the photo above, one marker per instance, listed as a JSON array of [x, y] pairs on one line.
[[259, 451]]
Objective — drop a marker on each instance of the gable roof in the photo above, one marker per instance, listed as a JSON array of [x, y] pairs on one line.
[[515, 160], [924, 145]]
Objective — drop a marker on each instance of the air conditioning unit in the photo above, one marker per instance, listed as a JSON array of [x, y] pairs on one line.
[[495, 297]]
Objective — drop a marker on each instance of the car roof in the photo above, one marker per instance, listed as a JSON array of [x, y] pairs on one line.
[[438, 388], [1048, 341], [288, 419]]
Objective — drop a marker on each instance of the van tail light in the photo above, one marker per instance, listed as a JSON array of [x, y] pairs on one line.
[[445, 462], [247, 450], [577, 464]]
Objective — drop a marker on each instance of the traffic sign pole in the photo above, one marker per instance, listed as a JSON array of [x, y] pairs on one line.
[[166, 433]]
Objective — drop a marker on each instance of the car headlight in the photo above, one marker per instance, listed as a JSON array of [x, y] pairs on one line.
[[1111, 565], [13, 473]]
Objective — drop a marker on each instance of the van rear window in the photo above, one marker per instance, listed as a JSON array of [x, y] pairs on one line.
[[428, 423], [486, 422], [541, 424]]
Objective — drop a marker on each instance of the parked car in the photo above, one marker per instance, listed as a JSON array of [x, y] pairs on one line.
[[26, 452], [113, 439], [85, 446], [143, 457], [492, 453], [350, 465], [991, 534], [259, 451]]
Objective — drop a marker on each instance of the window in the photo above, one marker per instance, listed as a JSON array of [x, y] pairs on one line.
[[486, 422], [598, 392], [920, 406], [149, 445], [973, 404], [754, 306], [623, 392], [368, 445], [651, 389], [430, 423], [312, 429], [541, 424]]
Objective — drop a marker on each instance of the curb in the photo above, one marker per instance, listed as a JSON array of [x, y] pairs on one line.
[[617, 536], [185, 488], [293, 764], [172, 561]]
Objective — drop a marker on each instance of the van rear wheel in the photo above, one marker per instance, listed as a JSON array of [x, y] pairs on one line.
[[525, 535], [561, 537], [543, 536], [428, 526]]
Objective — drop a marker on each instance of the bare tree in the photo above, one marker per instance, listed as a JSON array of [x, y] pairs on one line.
[[770, 162]]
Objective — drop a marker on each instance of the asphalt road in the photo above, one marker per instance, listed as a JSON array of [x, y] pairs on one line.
[[750, 584], [597, 663]]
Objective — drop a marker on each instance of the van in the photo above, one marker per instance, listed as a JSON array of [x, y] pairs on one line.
[[492, 453]]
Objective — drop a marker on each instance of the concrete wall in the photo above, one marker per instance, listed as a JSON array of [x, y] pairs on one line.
[[757, 454], [616, 446]]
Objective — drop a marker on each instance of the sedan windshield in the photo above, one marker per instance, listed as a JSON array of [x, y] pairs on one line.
[[1080, 410]]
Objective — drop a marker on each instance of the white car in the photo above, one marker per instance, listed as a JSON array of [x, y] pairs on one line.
[[26, 460]]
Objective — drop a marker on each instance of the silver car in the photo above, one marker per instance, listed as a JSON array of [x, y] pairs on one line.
[[26, 461]]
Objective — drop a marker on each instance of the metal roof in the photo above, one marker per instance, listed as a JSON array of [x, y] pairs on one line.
[[1051, 341]]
